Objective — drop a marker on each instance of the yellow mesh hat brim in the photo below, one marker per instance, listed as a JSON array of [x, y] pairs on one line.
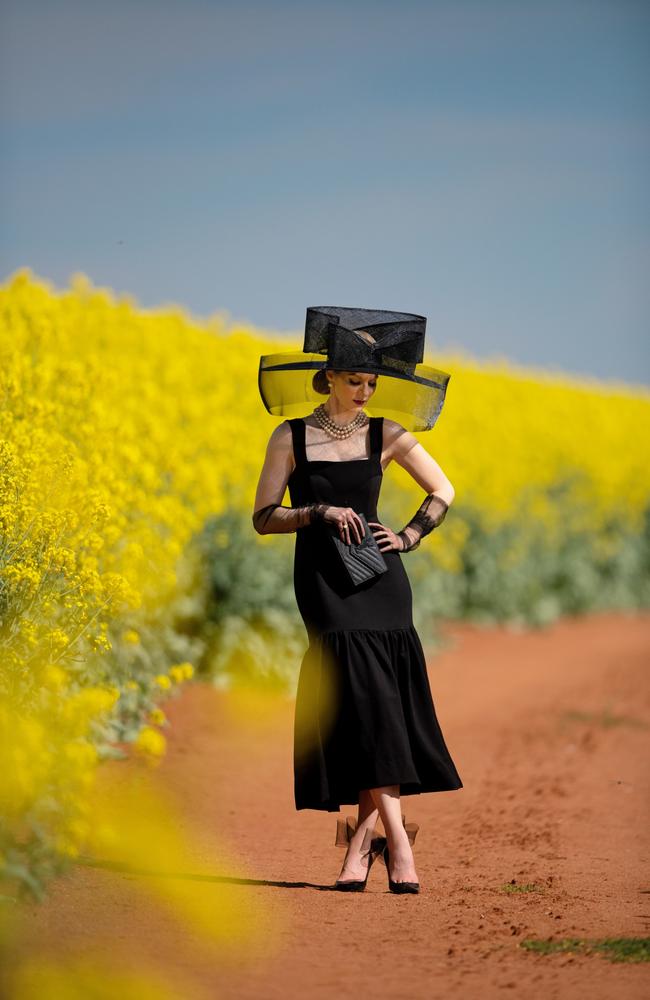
[[413, 400]]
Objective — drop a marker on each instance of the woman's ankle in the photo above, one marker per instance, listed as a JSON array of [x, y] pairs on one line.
[[360, 839], [369, 822], [398, 839]]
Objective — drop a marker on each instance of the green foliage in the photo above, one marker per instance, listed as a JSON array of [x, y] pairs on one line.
[[615, 949], [242, 585], [575, 574], [527, 887], [248, 620]]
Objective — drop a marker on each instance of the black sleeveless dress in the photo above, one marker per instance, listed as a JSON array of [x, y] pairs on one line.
[[364, 714]]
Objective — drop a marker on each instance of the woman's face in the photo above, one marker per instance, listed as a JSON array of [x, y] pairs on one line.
[[352, 389]]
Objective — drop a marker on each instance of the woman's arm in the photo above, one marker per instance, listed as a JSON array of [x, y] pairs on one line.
[[269, 517], [407, 451]]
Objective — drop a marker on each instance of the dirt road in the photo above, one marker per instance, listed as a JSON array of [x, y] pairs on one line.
[[550, 732]]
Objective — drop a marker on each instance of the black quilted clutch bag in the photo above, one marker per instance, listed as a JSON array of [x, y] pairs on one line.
[[362, 560]]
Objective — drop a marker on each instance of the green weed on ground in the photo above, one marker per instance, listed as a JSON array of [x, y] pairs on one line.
[[512, 886], [607, 719], [615, 949]]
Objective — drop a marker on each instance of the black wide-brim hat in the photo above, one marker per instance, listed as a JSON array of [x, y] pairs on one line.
[[375, 341]]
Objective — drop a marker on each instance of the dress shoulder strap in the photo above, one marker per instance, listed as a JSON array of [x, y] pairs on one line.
[[376, 436], [297, 425]]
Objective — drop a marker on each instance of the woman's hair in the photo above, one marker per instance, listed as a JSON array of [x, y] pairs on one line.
[[320, 383]]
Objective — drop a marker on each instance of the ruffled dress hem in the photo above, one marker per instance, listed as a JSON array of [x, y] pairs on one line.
[[365, 718]]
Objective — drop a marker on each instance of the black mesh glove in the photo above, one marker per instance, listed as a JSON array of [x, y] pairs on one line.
[[276, 519], [429, 516]]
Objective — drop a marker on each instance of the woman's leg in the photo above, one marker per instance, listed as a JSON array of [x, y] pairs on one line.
[[402, 864], [356, 864]]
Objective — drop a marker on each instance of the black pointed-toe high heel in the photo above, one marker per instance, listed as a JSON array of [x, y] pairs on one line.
[[401, 887], [373, 843]]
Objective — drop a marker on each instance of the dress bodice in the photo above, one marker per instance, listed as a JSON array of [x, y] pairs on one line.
[[352, 483]]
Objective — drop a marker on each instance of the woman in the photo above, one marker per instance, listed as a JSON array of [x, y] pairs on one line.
[[366, 731]]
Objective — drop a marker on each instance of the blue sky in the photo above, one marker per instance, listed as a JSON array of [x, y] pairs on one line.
[[482, 163]]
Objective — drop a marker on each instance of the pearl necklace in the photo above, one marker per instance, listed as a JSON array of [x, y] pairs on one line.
[[339, 430]]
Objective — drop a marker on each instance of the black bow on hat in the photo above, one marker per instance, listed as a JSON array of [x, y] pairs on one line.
[[339, 333]]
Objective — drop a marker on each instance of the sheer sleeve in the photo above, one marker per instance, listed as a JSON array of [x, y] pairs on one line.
[[271, 518], [277, 519], [430, 515]]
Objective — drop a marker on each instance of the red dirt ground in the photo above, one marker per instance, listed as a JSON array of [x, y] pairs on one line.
[[550, 797]]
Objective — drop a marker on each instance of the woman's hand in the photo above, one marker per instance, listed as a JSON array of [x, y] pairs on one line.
[[387, 536], [346, 519]]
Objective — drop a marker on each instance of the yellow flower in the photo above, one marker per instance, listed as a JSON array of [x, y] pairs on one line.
[[54, 677], [80, 753], [157, 716], [131, 636], [78, 710], [163, 681], [100, 642], [181, 671], [57, 638], [150, 742]]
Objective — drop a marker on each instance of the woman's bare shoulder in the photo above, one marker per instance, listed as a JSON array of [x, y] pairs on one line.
[[281, 439], [393, 430], [391, 426], [397, 439]]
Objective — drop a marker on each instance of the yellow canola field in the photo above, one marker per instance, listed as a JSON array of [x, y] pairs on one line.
[[122, 430]]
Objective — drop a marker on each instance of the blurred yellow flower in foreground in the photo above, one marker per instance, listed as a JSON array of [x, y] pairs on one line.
[[138, 824], [90, 976], [54, 677]]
